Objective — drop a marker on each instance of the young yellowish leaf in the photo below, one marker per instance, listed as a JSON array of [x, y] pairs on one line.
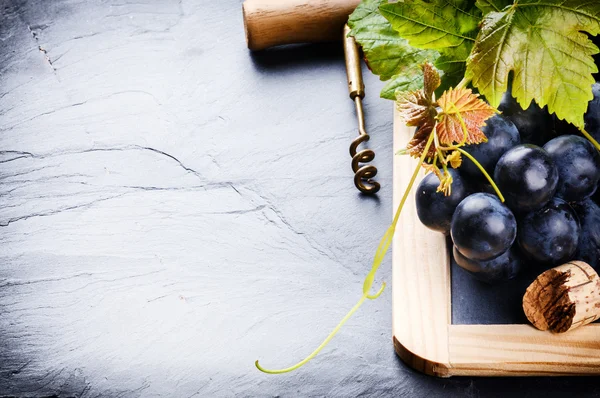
[[446, 184], [414, 107], [418, 107], [455, 159], [461, 117], [431, 80], [417, 143], [432, 168]]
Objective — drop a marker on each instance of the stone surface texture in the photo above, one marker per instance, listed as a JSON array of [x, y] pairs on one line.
[[173, 207]]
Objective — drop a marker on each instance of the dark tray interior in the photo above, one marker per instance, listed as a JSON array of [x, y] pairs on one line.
[[475, 302], [478, 303]]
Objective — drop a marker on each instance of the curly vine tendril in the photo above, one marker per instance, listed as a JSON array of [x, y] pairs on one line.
[[369, 279]]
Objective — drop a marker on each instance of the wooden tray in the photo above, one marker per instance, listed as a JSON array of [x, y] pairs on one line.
[[423, 334]]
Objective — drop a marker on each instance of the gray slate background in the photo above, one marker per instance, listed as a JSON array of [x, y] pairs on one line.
[[173, 207]]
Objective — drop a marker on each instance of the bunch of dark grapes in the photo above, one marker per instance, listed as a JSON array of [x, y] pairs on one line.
[[549, 175]]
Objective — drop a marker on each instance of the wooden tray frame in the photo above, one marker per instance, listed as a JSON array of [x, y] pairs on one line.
[[423, 334]]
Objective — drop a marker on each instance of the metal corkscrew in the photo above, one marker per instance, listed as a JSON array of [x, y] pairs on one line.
[[363, 175]]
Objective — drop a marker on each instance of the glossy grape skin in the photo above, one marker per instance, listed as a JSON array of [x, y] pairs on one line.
[[550, 235], [535, 124], [578, 164], [502, 135], [483, 227], [588, 249], [592, 115], [527, 177], [500, 269], [434, 209]]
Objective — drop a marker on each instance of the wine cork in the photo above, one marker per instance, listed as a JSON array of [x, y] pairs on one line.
[[563, 298]]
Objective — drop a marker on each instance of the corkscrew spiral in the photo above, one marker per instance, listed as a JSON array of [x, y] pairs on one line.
[[363, 174]]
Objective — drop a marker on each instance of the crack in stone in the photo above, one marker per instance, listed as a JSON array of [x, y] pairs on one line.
[[101, 98], [83, 36], [158, 151], [12, 89], [283, 221], [113, 280], [17, 155], [234, 212], [108, 149], [20, 368], [208, 186], [280, 216], [50, 177], [308, 240], [60, 56], [6, 223], [33, 29], [43, 280], [44, 114], [55, 375], [4, 177]]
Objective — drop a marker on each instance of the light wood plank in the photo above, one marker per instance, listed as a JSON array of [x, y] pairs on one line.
[[421, 276], [522, 350]]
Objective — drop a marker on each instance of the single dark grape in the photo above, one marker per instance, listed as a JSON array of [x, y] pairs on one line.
[[592, 115], [578, 164], [502, 135], [434, 209], [527, 177], [550, 235], [483, 227], [588, 249], [535, 124], [502, 268]]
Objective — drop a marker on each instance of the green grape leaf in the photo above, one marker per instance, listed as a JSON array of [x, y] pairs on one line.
[[387, 54], [453, 63], [492, 5], [543, 43], [434, 24], [448, 26], [409, 80]]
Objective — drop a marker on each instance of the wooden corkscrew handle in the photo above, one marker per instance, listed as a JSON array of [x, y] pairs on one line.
[[270, 23]]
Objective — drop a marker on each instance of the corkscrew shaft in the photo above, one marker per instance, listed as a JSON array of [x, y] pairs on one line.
[[363, 174], [360, 115]]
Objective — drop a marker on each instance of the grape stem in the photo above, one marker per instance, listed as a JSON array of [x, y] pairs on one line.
[[590, 138], [468, 155], [485, 173], [369, 279], [463, 83]]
